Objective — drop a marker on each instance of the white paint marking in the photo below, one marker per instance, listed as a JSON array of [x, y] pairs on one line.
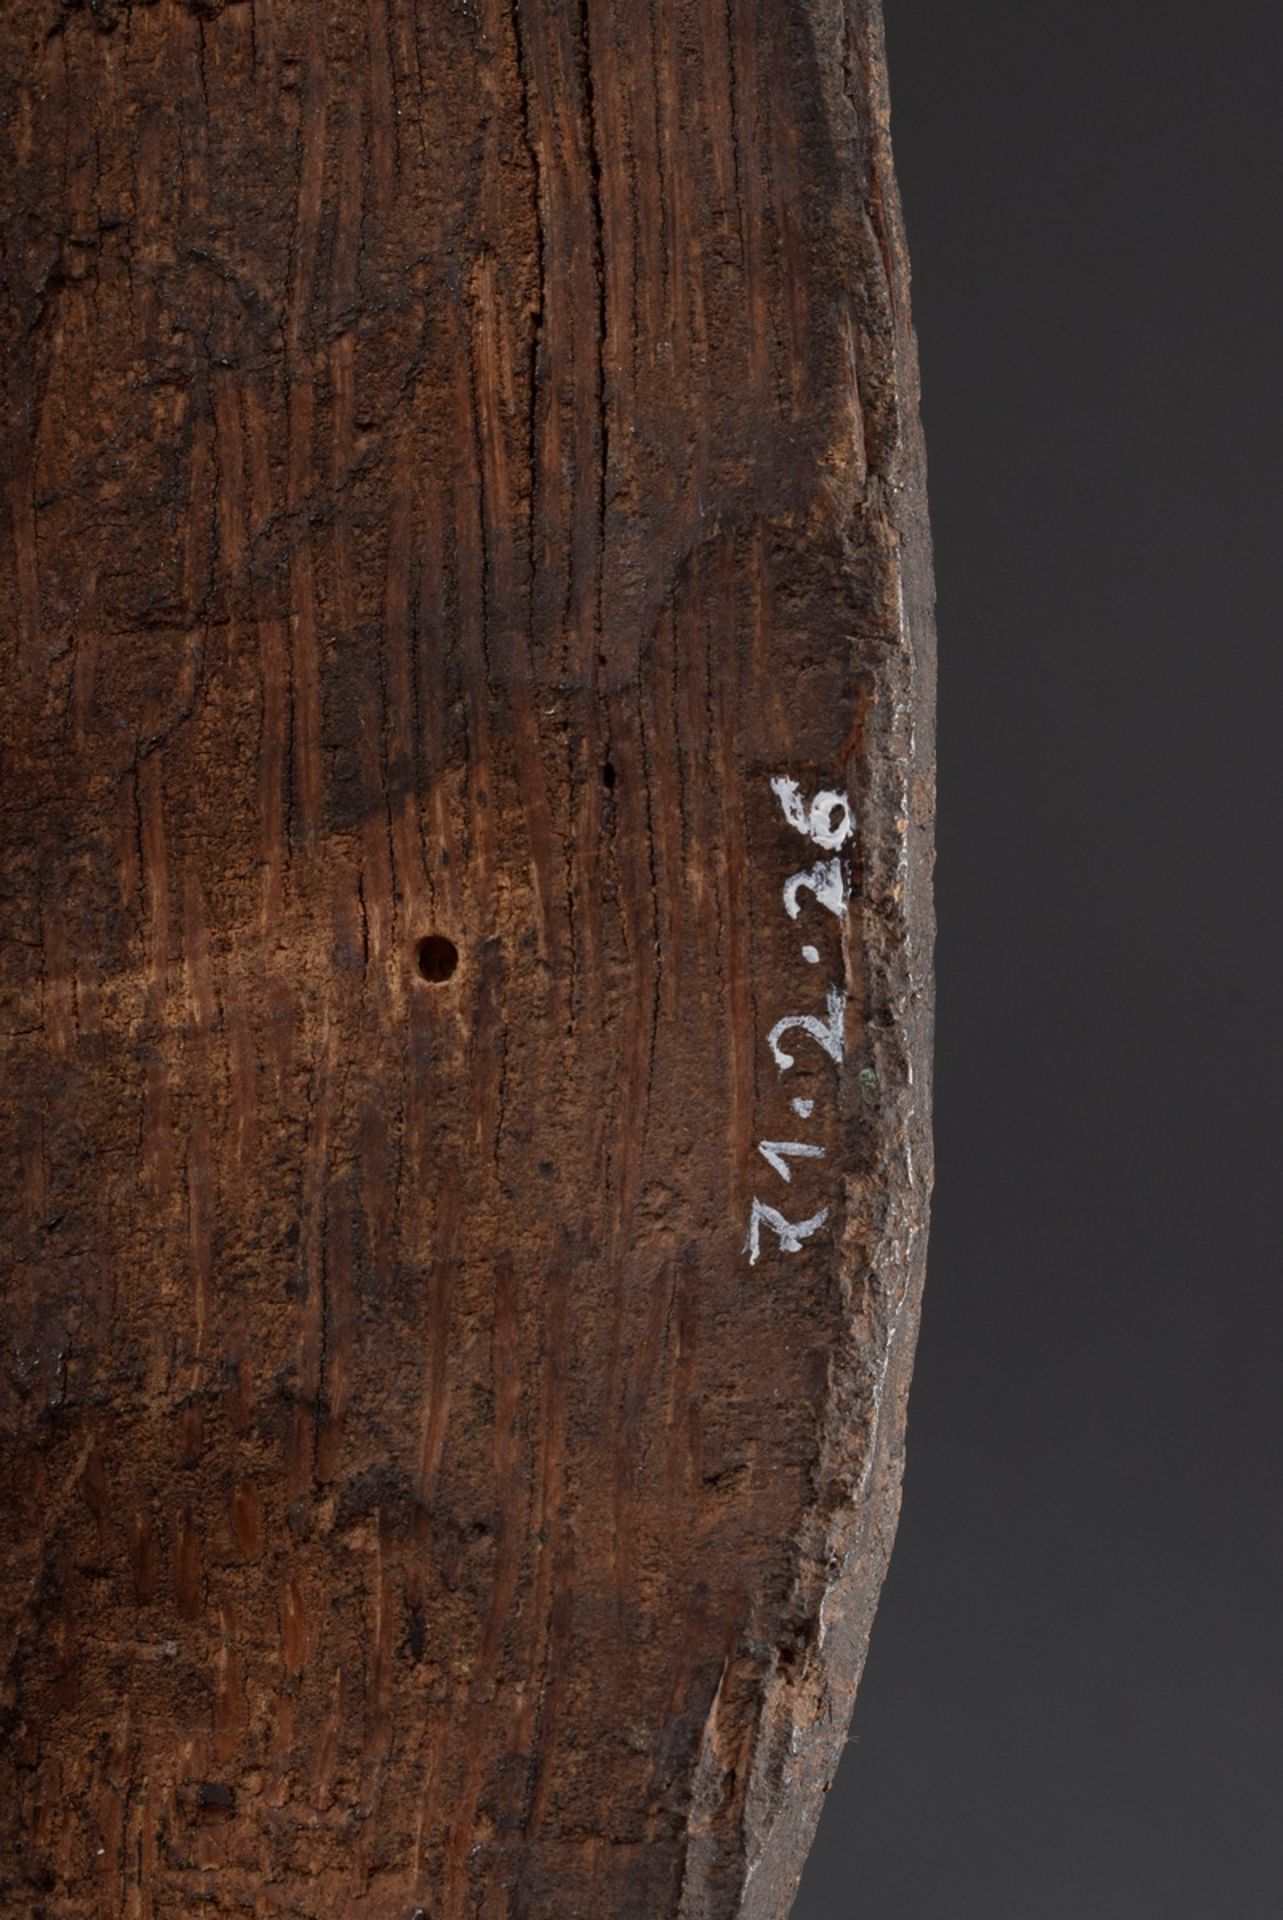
[[829, 1036], [776, 1151], [828, 821], [825, 880], [819, 824], [790, 1233]]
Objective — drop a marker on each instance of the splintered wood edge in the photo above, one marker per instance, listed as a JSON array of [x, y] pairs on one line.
[[847, 1536]]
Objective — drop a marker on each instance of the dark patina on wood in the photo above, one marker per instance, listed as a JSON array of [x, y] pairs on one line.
[[465, 557]]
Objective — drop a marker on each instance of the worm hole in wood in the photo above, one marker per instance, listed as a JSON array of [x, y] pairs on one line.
[[437, 957]]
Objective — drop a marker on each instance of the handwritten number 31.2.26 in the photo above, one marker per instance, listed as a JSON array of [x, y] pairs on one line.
[[829, 824]]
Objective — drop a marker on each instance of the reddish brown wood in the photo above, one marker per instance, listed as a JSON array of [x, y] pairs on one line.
[[457, 456]]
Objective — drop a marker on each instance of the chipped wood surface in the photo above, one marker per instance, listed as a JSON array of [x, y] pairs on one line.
[[458, 457]]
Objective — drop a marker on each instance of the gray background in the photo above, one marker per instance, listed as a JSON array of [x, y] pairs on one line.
[[1071, 1709]]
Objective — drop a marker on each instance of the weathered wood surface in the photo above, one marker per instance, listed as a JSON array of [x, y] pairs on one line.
[[456, 457]]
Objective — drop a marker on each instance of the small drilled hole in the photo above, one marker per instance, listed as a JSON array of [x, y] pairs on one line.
[[438, 957]]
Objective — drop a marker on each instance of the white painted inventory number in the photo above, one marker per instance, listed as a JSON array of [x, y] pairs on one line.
[[829, 824]]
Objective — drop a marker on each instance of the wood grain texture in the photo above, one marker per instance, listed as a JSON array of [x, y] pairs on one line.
[[457, 454]]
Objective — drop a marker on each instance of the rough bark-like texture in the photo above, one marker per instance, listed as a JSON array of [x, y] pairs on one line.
[[457, 454]]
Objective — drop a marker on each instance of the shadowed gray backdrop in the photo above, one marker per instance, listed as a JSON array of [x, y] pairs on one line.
[[1071, 1709]]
